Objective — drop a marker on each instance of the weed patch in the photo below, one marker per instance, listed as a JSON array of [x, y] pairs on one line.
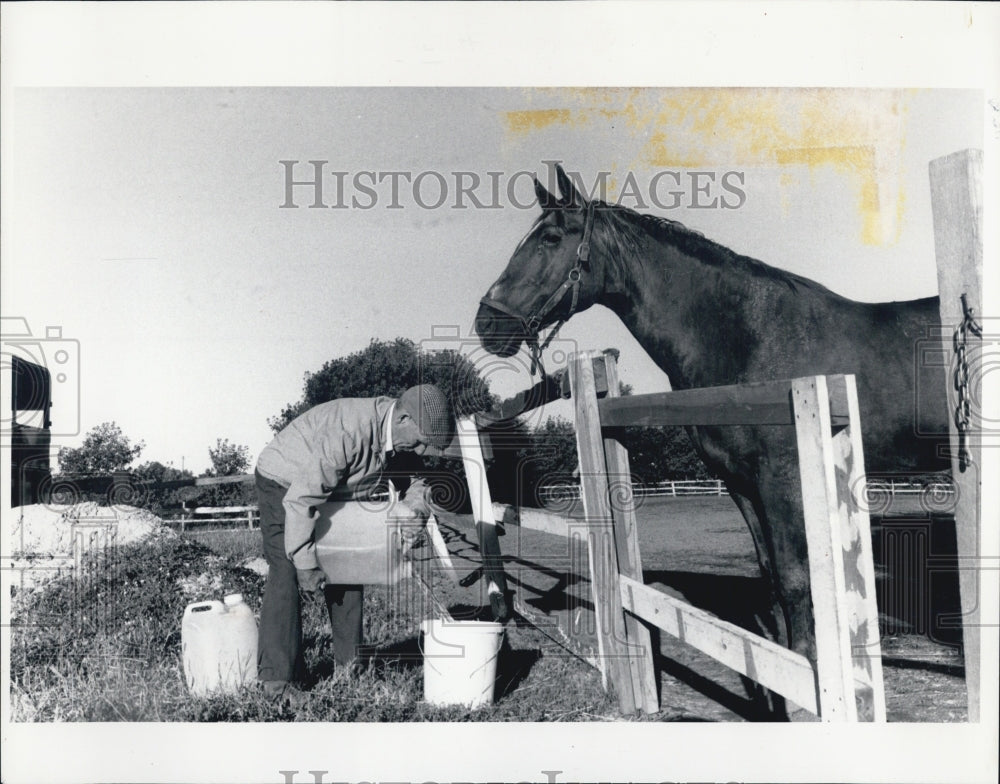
[[105, 645]]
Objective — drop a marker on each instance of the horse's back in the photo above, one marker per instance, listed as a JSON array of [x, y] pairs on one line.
[[895, 351], [906, 372]]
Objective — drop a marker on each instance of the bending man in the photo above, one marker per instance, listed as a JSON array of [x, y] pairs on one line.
[[336, 450]]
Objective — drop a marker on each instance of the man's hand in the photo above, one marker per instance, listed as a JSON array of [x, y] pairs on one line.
[[410, 524], [311, 582]]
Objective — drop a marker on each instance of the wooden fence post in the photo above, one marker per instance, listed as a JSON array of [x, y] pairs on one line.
[[841, 564], [626, 533], [612, 636], [835, 677], [859, 561], [957, 206], [482, 507]]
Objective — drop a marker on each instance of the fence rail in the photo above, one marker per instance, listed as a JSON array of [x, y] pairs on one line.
[[668, 488], [701, 487], [202, 516]]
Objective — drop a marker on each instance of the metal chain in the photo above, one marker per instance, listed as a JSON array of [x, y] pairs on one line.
[[963, 412]]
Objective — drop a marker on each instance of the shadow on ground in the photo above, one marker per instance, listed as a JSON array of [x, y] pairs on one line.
[[743, 601]]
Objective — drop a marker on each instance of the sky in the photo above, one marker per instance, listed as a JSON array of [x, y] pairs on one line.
[[148, 224]]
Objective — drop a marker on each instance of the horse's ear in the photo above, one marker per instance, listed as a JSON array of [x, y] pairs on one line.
[[545, 199], [571, 197]]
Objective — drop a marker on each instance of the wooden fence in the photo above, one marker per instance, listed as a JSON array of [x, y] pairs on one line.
[[844, 683]]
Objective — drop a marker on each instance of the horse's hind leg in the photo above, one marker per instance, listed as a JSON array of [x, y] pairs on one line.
[[769, 614]]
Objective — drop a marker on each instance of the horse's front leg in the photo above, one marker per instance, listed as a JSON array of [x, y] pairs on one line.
[[782, 526], [770, 617]]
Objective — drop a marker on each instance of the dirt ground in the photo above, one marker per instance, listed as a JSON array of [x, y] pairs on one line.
[[699, 549]]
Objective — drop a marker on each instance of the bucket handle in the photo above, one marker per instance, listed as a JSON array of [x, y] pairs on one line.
[[209, 606]]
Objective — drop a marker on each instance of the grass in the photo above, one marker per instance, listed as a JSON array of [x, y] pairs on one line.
[[236, 545], [107, 647]]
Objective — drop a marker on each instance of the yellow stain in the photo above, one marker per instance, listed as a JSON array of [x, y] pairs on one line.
[[854, 133], [858, 162], [537, 119]]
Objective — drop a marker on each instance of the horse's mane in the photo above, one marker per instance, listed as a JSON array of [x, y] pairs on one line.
[[625, 228]]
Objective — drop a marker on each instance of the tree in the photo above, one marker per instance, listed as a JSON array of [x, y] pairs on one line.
[[228, 459], [105, 450], [655, 454], [662, 453], [553, 451], [549, 460], [389, 368], [163, 499]]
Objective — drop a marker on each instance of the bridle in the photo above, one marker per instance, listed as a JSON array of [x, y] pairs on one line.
[[532, 325]]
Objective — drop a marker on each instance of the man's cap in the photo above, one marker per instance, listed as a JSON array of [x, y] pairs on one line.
[[428, 407]]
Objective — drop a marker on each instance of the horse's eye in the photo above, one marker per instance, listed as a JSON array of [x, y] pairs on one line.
[[551, 238]]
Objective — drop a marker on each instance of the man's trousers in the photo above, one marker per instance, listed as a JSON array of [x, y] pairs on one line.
[[279, 647]]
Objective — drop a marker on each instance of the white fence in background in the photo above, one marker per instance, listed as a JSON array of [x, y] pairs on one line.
[[672, 488], [685, 487], [212, 518]]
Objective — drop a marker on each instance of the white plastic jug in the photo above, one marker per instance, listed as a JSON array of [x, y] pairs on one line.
[[355, 546], [219, 645], [460, 661]]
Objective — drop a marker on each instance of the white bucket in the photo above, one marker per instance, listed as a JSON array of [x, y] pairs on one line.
[[460, 661]]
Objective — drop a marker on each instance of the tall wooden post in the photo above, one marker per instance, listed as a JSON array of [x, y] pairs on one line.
[[859, 559], [826, 555], [626, 529], [612, 637], [841, 569], [482, 512], [957, 204]]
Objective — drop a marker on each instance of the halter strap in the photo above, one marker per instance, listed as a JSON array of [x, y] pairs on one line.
[[532, 325]]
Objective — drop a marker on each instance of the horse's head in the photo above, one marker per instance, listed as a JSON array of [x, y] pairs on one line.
[[550, 277]]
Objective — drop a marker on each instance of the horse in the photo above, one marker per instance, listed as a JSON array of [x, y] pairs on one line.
[[709, 316]]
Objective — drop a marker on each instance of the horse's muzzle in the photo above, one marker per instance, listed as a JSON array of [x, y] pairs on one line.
[[499, 333]]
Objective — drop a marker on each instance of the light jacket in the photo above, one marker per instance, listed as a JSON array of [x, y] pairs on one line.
[[334, 450]]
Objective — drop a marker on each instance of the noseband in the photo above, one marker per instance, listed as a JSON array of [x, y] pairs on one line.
[[532, 325]]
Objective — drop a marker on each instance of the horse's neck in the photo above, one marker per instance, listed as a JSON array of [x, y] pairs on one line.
[[688, 316]]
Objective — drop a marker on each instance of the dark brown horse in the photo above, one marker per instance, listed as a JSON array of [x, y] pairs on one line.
[[708, 316]]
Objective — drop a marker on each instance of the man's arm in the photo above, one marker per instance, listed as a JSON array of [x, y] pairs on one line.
[[417, 497], [307, 491]]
